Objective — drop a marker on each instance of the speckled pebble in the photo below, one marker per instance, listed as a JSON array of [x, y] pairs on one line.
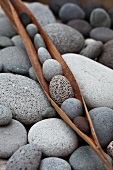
[[110, 149], [5, 42], [32, 74], [60, 89], [32, 30], [39, 42], [26, 157], [50, 112], [72, 107], [53, 136], [12, 137], [17, 40], [51, 68], [17, 69], [84, 158], [103, 116], [54, 163], [5, 115], [25, 18], [43, 54]]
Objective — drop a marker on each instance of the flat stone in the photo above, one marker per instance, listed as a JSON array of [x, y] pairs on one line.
[[14, 56], [65, 38], [5, 42], [85, 158], [52, 143], [102, 34], [39, 42], [94, 79], [43, 54], [17, 40], [12, 137], [26, 157], [24, 96], [5, 115], [70, 11], [17, 69], [54, 163]]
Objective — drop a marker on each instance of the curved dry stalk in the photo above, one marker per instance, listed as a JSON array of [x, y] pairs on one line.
[[19, 6]]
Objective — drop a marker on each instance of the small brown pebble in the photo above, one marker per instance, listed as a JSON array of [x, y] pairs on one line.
[[110, 149], [82, 124], [24, 17]]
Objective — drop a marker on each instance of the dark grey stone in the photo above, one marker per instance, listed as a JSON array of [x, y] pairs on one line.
[[17, 69], [32, 30], [110, 12], [25, 18], [26, 157], [65, 38], [71, 11], [5, 42], [102, 34], [5, 115]]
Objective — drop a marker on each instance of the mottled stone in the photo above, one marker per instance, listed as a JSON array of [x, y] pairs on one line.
[[43, 54], [5, 115]]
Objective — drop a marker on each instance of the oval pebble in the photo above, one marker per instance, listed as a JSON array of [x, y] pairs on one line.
[[84, 158], [26, 157], [89, 41], [50, 112], [103, 116], [54, 163], [102, 34], [51, 68], [32, 30], [60, 89], [12, 136], [18, 69], [17, 40], [32, 74], [39, 42], [43, 54], [72, 107], [70, 11], [5, 42], [52, 143], [5, 115]]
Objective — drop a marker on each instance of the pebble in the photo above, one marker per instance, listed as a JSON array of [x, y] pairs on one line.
[[39, 42], [43, 54], [85, 158], [25, 18], [5, 115], [110, 12], [42, 13], [51, 68], [24, 96], [14, 56], [102, 34], [54, 163], [110, 149], [32, 74], [70, 11], [12, 137], [60, 89], [100, 18], [32, 30], [65, 38], [56, 5], [106, 58], [72, 107], [18, 69], [1, 66], [103, 116], [3, 164], [5, 42], [80, 25], [82, 124], [17, 41], [94, 76], [6, 28], [93, 50], [26, 157], [52, 143], [50, 112], [89, 41]]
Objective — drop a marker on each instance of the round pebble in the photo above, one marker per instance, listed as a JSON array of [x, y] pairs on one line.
[[103, 116], [60, 89], [17, 40], [5, 115], [54, 163], [18, 69], [100, 18], [39, 42], [80, 25], [32, 74], [32, 30], [102, 34], [25, 18], [51, 68], [52, 143], [50, 112], [72, 107], [110, 149], [5, 42], [43, 54], [26, 157], [89, 41], [84, 158], [12, 137], [82, 124], [70, 11]]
